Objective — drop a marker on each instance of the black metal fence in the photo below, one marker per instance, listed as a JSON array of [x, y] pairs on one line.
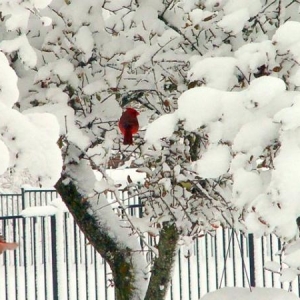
[[55, 261]]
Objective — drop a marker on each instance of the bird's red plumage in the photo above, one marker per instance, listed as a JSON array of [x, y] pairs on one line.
[[129, 125]]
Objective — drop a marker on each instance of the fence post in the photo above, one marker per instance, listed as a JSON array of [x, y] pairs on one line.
[[251, 259], [23, 204], [54, 258]]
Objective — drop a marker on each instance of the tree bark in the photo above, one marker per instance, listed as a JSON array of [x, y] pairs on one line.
[[117, 257], [162, 268]]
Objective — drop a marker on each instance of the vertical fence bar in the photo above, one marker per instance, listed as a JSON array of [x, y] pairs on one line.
[[244, 268], [5, 269], [86, 262], [67, 255], [25, 257], [263, 260], [216, 260], [189, 274], [54, 258], [224, 242], [198, 270], [105, 280], [251, 259], [180, 275], [76, 249]]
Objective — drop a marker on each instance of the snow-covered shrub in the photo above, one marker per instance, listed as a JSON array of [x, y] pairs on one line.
[[216, 86]]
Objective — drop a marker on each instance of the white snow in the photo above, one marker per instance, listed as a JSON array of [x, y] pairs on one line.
[[9, 93], [214, 72], [199, 106], [263, 90], [246, 294], [214, 162], [272, 266], [235, 21], [288, 275], [31, 142], [84, 41], [4, 158], [56, 206], [289, 116], [246, 187], [251, 136], [253, 6], [161, 127], [25, 50], [287, 35], [254, 55], [39, 211]]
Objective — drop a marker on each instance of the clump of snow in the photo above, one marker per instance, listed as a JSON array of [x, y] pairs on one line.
[[4, 158], [292, 254], [9, 92], [77, 13], [287, 166], [161, 127], [253, 6], [55, 206], [287, 35], [84, 41], [214, 162], [95, 86], [237, 14], [234, 22], [61, 67], [272, 266], [18, 15], [251, 56], [25, 50], [289, 116], [31, 144], [252, 138], [197, 15], [39, 211], [214, 72], [247, 186], [145, 14], [267, 86], [199, 106], [288, 275], [40, 4]]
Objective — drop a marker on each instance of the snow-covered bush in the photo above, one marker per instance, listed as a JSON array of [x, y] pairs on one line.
[[215, 83]]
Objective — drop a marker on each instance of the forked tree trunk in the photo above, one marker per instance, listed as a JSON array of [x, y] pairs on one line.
[[118, 257]]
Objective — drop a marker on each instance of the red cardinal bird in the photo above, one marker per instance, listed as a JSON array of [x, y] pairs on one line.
[[129, 125], [6, 246]]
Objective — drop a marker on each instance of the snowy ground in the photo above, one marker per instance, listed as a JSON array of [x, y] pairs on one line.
[[246, 294]]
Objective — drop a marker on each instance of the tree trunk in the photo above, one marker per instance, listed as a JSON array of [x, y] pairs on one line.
[[116, 256], [163, 264]]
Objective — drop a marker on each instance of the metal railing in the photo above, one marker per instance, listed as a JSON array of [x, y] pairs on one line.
[[55, 261]]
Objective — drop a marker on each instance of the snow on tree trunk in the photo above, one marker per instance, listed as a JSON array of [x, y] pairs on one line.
[[117, 256]]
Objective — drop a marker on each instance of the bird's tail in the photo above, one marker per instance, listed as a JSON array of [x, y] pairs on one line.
[[7, 246], [128, 137]]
